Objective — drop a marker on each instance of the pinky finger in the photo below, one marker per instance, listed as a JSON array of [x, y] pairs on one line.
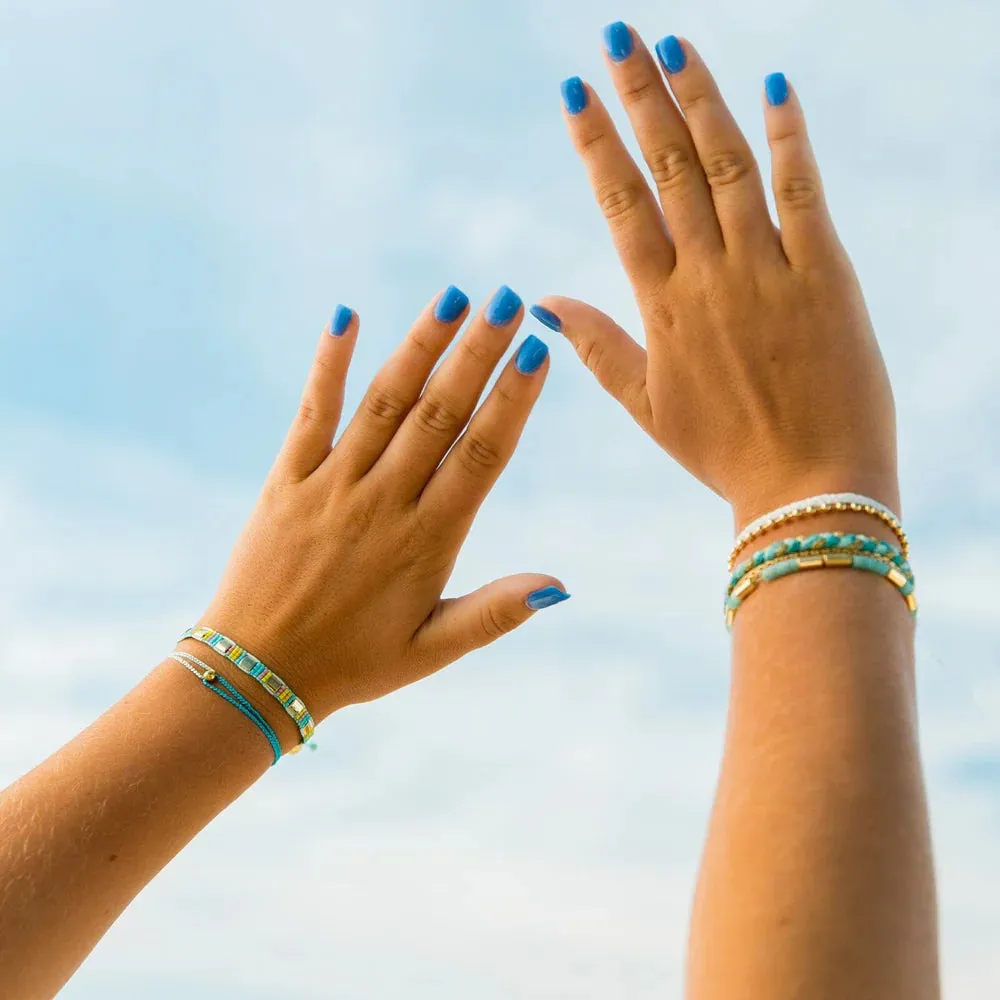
[[310, 438], [807, 232]]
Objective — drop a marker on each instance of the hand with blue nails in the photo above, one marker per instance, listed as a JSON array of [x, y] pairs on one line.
[[761, 372], [337, 580]]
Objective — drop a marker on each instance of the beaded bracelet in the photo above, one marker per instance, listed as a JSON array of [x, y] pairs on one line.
[[268, 679], [227, 692], [828, 503], [786, 565], [830, 540]]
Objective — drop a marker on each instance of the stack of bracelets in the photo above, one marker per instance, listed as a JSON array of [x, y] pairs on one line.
[[829, 550], [252, 667]]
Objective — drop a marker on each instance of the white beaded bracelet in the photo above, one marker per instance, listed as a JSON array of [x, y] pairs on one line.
[[825, 504]]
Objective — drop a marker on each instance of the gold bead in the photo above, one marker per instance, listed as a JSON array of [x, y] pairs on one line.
[[838, 559], [811, 562], [911, 603], [897, 577], [209, 676], [745, 588], [730, 617]]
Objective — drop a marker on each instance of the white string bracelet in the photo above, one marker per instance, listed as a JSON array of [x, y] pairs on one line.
[[827, 503]]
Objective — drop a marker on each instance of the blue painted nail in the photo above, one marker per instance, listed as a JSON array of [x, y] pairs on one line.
[[503, 307], [671, 53], [618, 41], [574, 95], [546, 598], [531, 355], [776, 88], [451, 305], [342, 317], [547, 318]]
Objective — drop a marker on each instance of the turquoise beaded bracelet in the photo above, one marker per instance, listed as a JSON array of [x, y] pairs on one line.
[[227, 692], [828, 551], [268, 679], [826, 541]]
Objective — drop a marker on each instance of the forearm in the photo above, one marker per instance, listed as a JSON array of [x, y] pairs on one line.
[[817, 878], [82, 833]]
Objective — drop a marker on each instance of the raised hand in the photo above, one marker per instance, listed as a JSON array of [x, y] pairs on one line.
[[336, 582], [761, 373]]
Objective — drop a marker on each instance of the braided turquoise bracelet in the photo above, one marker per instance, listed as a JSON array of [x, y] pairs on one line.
[[268, 679], [826, 551], [220, 686], [826, 541]]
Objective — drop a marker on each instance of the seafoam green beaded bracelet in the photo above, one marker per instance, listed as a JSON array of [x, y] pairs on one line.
[[827, 551], [826, 541], [268, 679]]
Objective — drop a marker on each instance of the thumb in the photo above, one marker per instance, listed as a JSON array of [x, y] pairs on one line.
[[460, 625], [616, 360]]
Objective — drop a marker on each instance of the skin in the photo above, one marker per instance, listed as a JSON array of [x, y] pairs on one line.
[[335, 583], [762, 376]]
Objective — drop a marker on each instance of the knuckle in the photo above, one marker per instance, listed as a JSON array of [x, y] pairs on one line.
[[384, 405], [727, 168], [309, 413], [497, 622], [479, 456], [695, 101], [670, 164], [798, 192], [423, 343], [636, 90], [619, 202], [434, 416], [589, 142], [478, 351]]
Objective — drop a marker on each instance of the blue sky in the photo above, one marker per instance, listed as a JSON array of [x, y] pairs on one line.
[[187, 190]]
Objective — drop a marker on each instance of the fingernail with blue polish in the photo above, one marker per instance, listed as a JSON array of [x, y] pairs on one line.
[[342, 317], [547, 318], [451, 305], [531, 355], [503, 307], [776, 88], [671, 54], [618, 41], [546, 598], [574, 94]]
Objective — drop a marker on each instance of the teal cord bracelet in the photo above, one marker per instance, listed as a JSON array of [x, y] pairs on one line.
[[268, 679], [227, 692], [826, 551]]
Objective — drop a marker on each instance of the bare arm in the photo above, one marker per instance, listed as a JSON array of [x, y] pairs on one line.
[[335, 584], [762, 376]]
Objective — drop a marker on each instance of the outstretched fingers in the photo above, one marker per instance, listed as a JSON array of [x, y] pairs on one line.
[[664, 139], [450, 397], [807, 231], [726, 157], [465, 478], [398, 386]]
